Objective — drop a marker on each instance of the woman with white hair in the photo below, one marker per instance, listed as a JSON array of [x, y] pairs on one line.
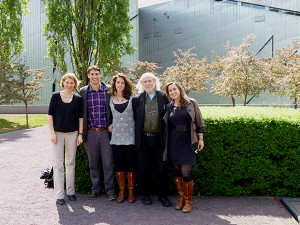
[[149, 107]]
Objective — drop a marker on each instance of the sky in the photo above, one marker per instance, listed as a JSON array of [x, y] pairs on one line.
[[144, 3]]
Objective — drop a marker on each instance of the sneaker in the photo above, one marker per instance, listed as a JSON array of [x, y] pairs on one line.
[[93, 196], [111, 196]]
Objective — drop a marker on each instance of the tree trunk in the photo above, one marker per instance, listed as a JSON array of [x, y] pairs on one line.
[[296, 103], [245, 100], [26, 111], [233, 101]]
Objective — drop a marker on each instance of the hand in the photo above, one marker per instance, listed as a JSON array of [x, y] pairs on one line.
[[79, 139], [110, 128], [200, 144], [53, 138]]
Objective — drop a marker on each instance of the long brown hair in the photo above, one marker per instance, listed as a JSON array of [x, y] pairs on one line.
[[127, 92], [184, 99]]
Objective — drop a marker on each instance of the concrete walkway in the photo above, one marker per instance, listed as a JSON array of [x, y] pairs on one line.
[[25, 201]]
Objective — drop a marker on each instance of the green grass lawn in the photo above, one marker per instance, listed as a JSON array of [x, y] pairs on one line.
[[9, 123]]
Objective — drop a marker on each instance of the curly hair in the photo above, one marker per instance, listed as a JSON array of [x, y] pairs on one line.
[[127, 92]]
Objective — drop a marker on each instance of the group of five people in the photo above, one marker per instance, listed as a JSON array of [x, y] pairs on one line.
[[133, 136]]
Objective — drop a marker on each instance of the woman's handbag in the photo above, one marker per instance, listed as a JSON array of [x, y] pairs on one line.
[[49, 182], [45, 174]]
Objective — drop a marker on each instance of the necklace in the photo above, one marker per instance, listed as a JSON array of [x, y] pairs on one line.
[[120, 99], [176, 104], [66, 96]]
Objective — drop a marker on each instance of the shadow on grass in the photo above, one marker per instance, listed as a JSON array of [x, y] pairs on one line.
[[9, 126]]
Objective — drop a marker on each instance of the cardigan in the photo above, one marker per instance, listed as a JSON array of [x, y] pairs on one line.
[[65, 115], [197, 124]]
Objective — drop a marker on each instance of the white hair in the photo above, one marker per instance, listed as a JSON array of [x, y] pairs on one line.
[[139, 85]]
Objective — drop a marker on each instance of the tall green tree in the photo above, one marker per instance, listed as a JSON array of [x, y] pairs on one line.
[[86, 32], [7, 87], [11, 38]]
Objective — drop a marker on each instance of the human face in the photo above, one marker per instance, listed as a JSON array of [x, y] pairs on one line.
[[148, 85], [69, 85], [94, 77], [174, 92], [120, 84]]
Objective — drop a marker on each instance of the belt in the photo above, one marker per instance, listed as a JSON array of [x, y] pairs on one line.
[[150, 134], [180, 128], [97, 128]]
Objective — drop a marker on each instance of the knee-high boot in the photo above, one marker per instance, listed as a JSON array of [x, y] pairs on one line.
[[188, 193], [180, 190], [131, 177], [121, 179]]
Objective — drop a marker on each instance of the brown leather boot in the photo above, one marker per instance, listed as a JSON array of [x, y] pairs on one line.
[[121, 179], [131, 177], [188, 193], [180, 190]]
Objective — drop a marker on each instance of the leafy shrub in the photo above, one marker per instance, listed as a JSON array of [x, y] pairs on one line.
[[248, 151]]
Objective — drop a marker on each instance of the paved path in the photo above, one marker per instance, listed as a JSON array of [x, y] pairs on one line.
[[25, 201]]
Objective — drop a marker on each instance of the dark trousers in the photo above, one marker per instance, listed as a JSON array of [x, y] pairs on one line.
[[97, 147], [125, 158], [150, 158]]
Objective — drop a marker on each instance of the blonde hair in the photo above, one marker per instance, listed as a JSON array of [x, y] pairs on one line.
[[71, 76], [139, 85]]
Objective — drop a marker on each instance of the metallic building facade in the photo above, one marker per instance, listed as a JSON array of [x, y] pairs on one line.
[[209, 25]]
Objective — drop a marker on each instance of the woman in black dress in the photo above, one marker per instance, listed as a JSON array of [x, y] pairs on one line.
[[184, 138]]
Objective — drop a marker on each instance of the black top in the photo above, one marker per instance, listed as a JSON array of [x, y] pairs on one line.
[[65, 115], [121, 107]]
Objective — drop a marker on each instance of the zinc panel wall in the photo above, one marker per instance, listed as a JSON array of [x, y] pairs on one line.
[[35, 47], [209, 25]]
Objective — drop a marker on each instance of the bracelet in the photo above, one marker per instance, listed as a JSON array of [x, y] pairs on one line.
[[80, 133]]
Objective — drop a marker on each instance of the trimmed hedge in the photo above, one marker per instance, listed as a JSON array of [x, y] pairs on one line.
[[248, 151]]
